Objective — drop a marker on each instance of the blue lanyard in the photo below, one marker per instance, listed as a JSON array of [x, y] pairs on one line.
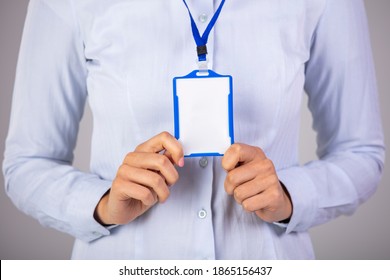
[[201, 41]]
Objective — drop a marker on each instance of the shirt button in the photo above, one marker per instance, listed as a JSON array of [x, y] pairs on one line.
[[203, 162], [203, 18], [202, 214], [96, 233]]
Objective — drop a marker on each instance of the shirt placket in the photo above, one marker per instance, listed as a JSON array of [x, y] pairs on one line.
[[205, 244]]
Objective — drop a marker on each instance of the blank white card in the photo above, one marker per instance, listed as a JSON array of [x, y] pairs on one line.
[[204, 113]]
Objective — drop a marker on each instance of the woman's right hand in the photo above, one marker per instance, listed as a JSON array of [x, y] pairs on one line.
[[142, 180]]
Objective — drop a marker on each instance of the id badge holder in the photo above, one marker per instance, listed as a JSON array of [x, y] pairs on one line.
[[203, 112]]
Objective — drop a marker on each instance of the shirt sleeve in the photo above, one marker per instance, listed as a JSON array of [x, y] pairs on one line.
[[341, 86], [48, 103]]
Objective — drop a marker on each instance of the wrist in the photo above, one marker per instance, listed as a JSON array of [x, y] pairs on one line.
[[100, 210], [290, 205]]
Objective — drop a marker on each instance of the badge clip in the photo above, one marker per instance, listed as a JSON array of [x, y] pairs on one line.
[[203, 66]]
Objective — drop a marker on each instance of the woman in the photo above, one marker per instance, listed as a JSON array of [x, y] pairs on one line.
[[142, 199]]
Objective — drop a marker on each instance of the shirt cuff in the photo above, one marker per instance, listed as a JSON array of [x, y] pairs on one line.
[[303, 197], [282, 225], [86, 228]]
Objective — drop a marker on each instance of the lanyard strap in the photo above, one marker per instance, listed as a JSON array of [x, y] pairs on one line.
[[201, 41]]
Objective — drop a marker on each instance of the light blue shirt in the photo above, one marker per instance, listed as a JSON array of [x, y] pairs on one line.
[[122, 55]]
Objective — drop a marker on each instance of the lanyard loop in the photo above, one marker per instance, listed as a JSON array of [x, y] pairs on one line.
[[201, 41]]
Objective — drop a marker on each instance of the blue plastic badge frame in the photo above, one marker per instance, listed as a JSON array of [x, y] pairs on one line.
[[226, 128]]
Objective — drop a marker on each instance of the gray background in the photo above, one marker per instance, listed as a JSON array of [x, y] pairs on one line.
[[365, 235]]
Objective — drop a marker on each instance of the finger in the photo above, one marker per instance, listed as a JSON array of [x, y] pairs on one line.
[[247, 172], [169, 156], [264, 210], [255, 203], [145, 178], [268, 205], [253, 187], [129, 190], [240, 153], [164, 141], [240, 175], [154, 162]]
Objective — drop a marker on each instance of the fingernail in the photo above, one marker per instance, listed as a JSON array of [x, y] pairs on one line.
[[181, 162]]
